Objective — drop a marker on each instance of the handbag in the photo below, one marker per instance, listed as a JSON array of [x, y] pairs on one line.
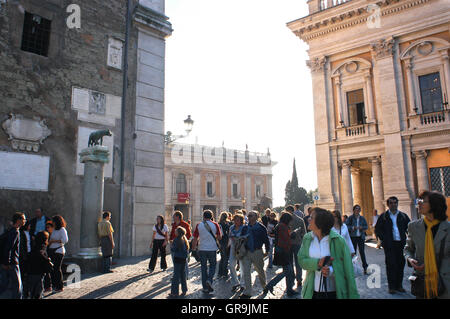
[[357, 269], [281, 257], [239, 247], [418, 279]]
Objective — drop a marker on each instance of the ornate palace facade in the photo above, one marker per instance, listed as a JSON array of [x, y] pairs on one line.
[[201, 177], [381, 79]]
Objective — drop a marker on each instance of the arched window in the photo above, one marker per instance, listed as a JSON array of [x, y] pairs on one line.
[[181, 183]]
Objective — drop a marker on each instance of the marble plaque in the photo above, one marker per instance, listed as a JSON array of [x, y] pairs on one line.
[[83, 139], [24, 171], [115, 53], [97, 103], [80, 99]]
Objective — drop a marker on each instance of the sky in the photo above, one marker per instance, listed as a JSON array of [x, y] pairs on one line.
[[236, 68]]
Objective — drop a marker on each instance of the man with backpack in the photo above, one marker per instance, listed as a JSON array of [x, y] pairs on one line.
[[207, 236], [9, 257]]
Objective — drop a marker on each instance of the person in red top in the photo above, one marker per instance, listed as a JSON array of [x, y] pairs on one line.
[[178, 221]]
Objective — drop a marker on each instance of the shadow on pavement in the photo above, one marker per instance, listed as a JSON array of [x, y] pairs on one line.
[[110, 289]]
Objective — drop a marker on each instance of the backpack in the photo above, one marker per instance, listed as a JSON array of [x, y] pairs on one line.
[[239, 247]]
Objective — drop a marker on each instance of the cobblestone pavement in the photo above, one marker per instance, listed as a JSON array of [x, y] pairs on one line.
[[132, 281]]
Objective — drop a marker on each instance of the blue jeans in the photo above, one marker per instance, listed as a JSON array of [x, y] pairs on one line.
[[179, 277], [288, 272], [271, 240], [223, 263], [11, 280], [186, 266], [298, 269], [207, 273]]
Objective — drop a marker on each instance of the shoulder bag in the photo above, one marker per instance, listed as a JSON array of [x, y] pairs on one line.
[[209, 230]]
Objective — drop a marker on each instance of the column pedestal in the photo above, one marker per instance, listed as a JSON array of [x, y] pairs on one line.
[[89, 257]]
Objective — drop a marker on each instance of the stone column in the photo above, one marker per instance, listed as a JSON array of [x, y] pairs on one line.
[[341, 119], [94, 159], [223, 191], [197, 212], [347, 187], [248, 192], [386, 73], [357, 194], [422, 170], [370, 107], [324, 130], [378, 194], [445, 60], [411, 89]]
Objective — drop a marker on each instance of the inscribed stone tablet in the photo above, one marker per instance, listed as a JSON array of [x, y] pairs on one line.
[[24, 171]]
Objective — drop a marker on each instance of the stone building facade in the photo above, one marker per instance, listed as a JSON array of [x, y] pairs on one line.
[[61, 69], [381, 81], [200, 177]]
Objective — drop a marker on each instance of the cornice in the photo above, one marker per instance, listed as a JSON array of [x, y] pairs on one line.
[[345, 16], [152, 20]]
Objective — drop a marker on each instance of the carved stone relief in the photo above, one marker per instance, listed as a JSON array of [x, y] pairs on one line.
[[26, 134]]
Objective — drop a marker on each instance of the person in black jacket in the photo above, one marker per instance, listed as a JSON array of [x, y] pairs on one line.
[[24, 254], [391, 229], [9, 259], [40, 264]]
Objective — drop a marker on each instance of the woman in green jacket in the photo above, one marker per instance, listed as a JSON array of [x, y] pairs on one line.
[[338, 271]]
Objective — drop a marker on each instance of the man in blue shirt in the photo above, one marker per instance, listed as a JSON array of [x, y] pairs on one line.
[[38, 223], [257, 237]]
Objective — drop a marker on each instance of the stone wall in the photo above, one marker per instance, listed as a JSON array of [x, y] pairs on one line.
[[33, 85]]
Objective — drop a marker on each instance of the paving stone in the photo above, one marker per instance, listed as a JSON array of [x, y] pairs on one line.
[[131, 280]]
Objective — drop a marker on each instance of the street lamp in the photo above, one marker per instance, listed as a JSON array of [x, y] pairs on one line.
[[170, 138], [243, 202]]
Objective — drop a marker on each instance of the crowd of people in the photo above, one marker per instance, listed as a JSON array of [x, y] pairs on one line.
[[31, 256], [323, 243]]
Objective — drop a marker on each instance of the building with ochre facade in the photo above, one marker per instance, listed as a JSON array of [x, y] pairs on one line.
[[381, 82]]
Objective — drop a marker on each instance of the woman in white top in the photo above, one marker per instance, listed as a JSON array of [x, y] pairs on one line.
[[341, 228], [159, 243], [57, 251]]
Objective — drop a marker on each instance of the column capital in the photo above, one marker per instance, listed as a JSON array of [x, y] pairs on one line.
[[375, 159], [356, 170], [444, 53], [408, 62], [317, 64], [421, 154], [345, 163], [383, 48]]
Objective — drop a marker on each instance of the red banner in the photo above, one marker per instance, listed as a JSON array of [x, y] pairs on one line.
[[183, 197]]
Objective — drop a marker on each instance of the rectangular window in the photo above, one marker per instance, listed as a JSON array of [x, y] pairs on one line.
[[36, 34], [209, 189], [430, 92], [181, 183], [355, 103], [440, 180], [235, 190]]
